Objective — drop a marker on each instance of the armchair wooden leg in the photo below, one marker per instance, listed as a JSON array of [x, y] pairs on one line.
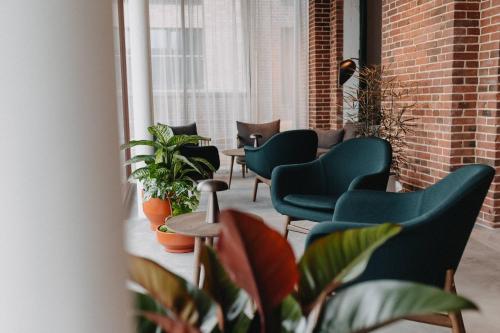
[[451, 320], [457, 322], [287, 223], [255, 186], [243, 170]]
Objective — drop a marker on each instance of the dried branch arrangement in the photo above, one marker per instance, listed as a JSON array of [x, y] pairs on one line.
[[381, 106]]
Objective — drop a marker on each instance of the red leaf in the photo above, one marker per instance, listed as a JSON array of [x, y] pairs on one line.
[[168, 324], [257, 258]]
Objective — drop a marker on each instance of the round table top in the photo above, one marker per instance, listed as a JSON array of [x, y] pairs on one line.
[[234, 152], [194, 225]]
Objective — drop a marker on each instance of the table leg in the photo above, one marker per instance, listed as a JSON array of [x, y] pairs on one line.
[[231, 171], [197, 263], [209, 241]]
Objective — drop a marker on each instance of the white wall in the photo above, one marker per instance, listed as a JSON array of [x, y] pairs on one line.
[[63, 266]]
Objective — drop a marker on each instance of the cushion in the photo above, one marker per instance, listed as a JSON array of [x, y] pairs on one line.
[[189, 129], [314, 201], [246, 129], [329, 138], [350, 131]]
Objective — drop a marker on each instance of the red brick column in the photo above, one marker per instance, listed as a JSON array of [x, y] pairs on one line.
[[488, 105], [336, 50], [319, 64], [450, 49]]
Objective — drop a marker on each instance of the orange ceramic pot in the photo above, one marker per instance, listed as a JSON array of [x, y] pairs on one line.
[[157, 210], [174, 242]]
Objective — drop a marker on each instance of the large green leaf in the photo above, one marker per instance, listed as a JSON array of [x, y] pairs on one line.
[[204, 162], [368, 305], [161, 133], [336, 259], [134, 143], [230, 298], [184, 300], [187, 161], [144, 303], [291, 318], [140, 158], [151, 317], [179, 140], [259, 260]]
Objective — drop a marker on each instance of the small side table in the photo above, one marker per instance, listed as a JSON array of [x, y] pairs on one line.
[[194, 225], [233, 153], [200, 225]]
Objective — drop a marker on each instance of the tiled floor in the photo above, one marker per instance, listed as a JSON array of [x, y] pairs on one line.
[[478, 276]]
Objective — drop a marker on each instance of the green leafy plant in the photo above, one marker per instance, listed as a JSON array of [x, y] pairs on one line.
[[166, 173], [253, 284], [381, 105]]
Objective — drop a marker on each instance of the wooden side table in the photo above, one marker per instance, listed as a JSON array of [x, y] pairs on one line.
[[233, 153], [194, 225]]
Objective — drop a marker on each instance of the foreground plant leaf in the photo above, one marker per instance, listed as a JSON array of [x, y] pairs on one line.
[[258, 259], [189, 304], [337, 259], [290, 316], [369, 305], [230, 298], [144, 303]]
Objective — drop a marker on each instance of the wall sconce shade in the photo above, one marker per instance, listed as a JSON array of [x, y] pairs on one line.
[[346, 70]]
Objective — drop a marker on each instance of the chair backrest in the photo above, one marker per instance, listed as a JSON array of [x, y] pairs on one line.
[[353, 158], [450, 207], [289, 147], [434, 241], [267, 130], [189, 129]]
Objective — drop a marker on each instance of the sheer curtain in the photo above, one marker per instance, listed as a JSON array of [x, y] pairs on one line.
[[218, 61]]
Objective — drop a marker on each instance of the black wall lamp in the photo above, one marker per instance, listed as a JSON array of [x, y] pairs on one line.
[[346, 70]]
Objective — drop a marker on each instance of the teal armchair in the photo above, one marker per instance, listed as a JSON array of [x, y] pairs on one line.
[[437, 223], [310, 191], [289, 147]]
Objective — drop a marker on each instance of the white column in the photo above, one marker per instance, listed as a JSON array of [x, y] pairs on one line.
[[141, 84], [61, 236], [141, 81]]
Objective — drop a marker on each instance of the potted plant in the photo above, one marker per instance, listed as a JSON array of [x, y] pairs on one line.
[[380, 105], [167, 188], [253, 284]]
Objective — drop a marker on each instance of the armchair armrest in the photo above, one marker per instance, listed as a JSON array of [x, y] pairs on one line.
[[377, 207], [205, 141], [303, 178], [375, 181]]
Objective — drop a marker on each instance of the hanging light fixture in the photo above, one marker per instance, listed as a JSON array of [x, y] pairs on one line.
[[346, 70]]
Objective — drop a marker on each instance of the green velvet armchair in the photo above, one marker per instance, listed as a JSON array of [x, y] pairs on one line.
[[289, 147], [437, 223], [310, 191]]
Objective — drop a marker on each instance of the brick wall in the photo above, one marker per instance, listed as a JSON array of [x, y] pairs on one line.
[[488, 105], [441, 46], [325, 53], [319, 64], [450, 49], [336, 50]]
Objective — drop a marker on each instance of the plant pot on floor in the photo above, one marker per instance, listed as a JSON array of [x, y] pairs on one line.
[[157, 210], [173, 242]]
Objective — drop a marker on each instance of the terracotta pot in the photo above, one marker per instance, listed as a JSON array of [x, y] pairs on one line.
[[157, 210], [175, 243]]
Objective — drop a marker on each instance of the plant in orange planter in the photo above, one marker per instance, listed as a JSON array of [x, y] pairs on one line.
[[253, 284], [168, 189]]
